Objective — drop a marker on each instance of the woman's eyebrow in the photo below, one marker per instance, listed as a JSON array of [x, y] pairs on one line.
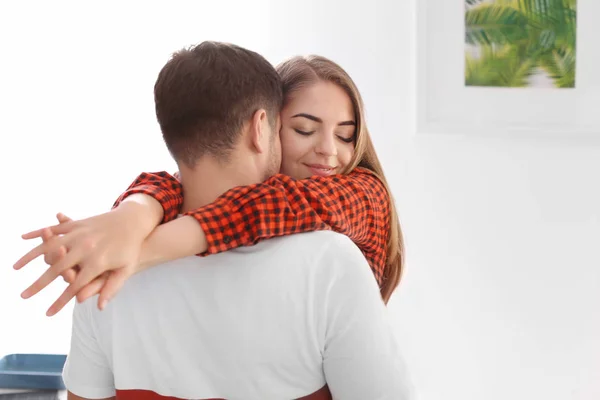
[[308, 116], [319, 120]]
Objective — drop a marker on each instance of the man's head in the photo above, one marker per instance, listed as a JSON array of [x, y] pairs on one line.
[[220, 101]]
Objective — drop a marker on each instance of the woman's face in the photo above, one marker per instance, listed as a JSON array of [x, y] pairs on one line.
[[317, 132]]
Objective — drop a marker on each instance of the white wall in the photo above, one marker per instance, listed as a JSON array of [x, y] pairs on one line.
[[501, 292]]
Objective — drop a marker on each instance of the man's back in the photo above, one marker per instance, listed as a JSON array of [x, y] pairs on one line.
[[278, 320]]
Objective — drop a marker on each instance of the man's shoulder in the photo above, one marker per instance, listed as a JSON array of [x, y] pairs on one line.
[[319, 236], [299, 254], [328, 251], [320, 243]]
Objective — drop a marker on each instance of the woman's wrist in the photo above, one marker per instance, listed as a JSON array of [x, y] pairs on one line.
[[182, 237]]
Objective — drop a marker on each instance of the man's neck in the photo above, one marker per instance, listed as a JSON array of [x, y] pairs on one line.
[[210, 179]]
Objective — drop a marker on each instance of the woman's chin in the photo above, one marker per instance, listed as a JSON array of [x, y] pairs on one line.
[[296, 173]]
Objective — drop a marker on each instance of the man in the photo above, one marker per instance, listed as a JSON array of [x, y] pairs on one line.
[[293, 317]]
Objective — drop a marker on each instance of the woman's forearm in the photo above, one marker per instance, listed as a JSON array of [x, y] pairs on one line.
[[182, 237], [142, 212]]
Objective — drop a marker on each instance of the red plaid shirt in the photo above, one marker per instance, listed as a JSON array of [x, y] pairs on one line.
[[356, 205]]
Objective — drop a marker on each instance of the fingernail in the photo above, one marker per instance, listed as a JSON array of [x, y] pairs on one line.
[[103, 304], [25, 294]]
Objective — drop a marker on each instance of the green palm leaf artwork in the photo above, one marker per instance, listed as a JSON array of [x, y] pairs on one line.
[[520, 43]]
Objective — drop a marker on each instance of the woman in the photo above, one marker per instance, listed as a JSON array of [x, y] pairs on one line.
[[323, 137]]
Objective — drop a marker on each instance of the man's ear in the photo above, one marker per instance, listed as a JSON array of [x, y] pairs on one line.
[[258, 132]]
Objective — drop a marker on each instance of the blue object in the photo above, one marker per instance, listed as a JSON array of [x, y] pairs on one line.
[[32, 371]]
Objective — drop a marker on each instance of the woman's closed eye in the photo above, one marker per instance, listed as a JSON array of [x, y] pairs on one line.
[[305, 133], [341, 137], [346, 139]]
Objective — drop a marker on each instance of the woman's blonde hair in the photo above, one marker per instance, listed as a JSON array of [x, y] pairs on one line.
[[299, 72]]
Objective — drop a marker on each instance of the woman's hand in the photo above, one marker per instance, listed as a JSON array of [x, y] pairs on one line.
[[182, 237], [89, 290], [90, 247], [58, 254]]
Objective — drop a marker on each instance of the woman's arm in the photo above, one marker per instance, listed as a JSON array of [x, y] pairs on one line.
[[162, 187], [356, 205], [182, 237]]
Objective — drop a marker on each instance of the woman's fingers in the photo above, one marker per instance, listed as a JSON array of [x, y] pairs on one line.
[[70, 275], [93, 288], [114, 283], [62, 218], [70, 260], [65, 225], [84, 277], [49, 246]]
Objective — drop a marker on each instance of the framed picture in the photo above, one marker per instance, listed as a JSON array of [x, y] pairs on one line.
[[508, 66]]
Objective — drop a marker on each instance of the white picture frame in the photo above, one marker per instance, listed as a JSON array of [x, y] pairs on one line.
[[444, 105]]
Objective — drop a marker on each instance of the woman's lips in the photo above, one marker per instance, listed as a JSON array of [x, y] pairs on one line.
[[320, 169]]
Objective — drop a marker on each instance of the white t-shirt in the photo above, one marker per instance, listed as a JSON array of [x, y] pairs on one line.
[[277, 320]]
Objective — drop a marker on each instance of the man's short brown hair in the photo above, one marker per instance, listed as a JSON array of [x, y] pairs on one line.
[[204, 95]]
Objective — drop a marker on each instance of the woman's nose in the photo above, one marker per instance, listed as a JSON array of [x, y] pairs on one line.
[[326, 145]]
